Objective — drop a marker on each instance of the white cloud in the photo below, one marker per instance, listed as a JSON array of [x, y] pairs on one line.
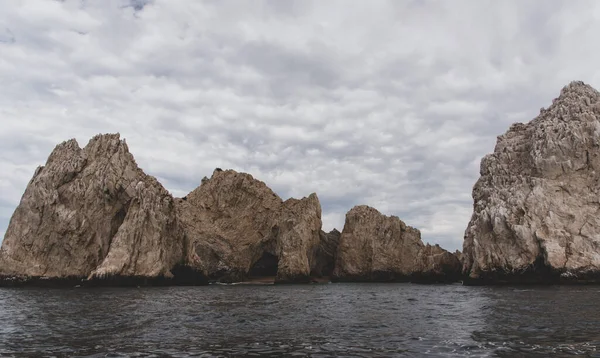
[[385, 103]]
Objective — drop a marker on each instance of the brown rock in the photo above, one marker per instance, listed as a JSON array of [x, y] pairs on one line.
[[535, 216], [375, 247], [434, 264], [297, 232], [92, 212], [237, 227], [92, 215]]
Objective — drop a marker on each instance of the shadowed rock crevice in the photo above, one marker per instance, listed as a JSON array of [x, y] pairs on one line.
[[117, 221], [325, 254], [115, 224]]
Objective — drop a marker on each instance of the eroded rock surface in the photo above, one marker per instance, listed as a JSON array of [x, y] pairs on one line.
[[297, 232], [434, 264], [91, 215], [92, 212], [375, 247], [536, 205], [232, 221]]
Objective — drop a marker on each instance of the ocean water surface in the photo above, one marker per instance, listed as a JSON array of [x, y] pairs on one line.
[[320, 320]]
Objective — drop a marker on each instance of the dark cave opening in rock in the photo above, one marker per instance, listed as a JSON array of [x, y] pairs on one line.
[[187, 276], [266, 266]]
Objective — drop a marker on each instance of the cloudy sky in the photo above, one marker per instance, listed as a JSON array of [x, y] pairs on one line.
[[385, 103]]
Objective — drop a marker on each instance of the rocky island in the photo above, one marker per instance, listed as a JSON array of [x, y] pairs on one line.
[[91, 216], [537, 203]]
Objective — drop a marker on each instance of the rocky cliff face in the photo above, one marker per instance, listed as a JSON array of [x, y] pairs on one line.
[[297, 236], [234, 222], [93, 216], [92, 212], [375, 247], [536, 207]]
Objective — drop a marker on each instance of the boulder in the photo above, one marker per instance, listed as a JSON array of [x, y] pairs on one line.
[[535, 214]]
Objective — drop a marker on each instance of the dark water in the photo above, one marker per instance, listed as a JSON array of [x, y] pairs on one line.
[[327, 320]]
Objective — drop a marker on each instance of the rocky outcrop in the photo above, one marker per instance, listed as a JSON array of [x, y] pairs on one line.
[[92, 216], [536, 207], [92, 213], [375, 247], [234, 222], [434, 264]]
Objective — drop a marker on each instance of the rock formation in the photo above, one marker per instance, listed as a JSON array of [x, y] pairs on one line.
[[92, 212], [92, 216], [233, 221], [536, 205], [375, 247], [297, 237], [434, 264]]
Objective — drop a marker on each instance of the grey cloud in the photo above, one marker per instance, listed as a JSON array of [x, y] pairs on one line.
[[286, 70], [138, 5], [6, 36]]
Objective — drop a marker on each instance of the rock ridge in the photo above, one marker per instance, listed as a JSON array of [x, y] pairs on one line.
[[90, 216]]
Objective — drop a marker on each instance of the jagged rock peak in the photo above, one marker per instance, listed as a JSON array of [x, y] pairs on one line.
[[94, 213], [535, 204], [578, 89], [575, 98], [100, 144]]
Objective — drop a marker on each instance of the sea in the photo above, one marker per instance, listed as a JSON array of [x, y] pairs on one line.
[[318, 320]]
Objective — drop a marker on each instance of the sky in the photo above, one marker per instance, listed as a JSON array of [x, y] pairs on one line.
[[391, 104]]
